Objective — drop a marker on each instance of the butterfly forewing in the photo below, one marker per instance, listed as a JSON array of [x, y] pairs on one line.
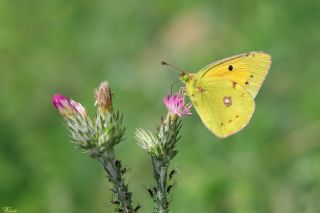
[[249, 70]]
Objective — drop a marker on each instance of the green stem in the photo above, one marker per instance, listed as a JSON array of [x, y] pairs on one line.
[[160, 172], [122, 196], [168, 135]]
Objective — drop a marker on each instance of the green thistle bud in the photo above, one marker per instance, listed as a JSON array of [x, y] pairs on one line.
[[108, 123], [110, 130], [147, 140]]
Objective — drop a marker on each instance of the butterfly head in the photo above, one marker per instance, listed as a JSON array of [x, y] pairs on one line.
[[185, 77]]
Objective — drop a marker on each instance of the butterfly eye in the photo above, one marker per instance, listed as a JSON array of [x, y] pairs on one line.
[[186, 78], [230, 68]]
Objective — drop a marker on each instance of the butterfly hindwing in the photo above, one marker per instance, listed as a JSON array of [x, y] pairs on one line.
[[249, 70], [224, 107]]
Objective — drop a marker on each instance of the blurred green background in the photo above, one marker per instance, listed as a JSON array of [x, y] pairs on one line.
[[49, 46]]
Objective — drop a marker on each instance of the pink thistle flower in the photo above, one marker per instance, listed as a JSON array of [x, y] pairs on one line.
[[176, 105], [59, 101], [68, 107]]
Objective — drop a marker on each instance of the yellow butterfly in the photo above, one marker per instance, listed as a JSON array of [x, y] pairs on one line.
[[223, 92]]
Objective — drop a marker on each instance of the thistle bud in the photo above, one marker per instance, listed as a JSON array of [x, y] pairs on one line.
[[67, 107], [107, 122], [77, 120], [103, 97], [146, 140]]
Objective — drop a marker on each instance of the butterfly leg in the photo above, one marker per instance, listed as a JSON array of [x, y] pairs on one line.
[[183, 91]]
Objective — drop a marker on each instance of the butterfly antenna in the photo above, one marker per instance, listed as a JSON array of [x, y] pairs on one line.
[[170, 65]]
